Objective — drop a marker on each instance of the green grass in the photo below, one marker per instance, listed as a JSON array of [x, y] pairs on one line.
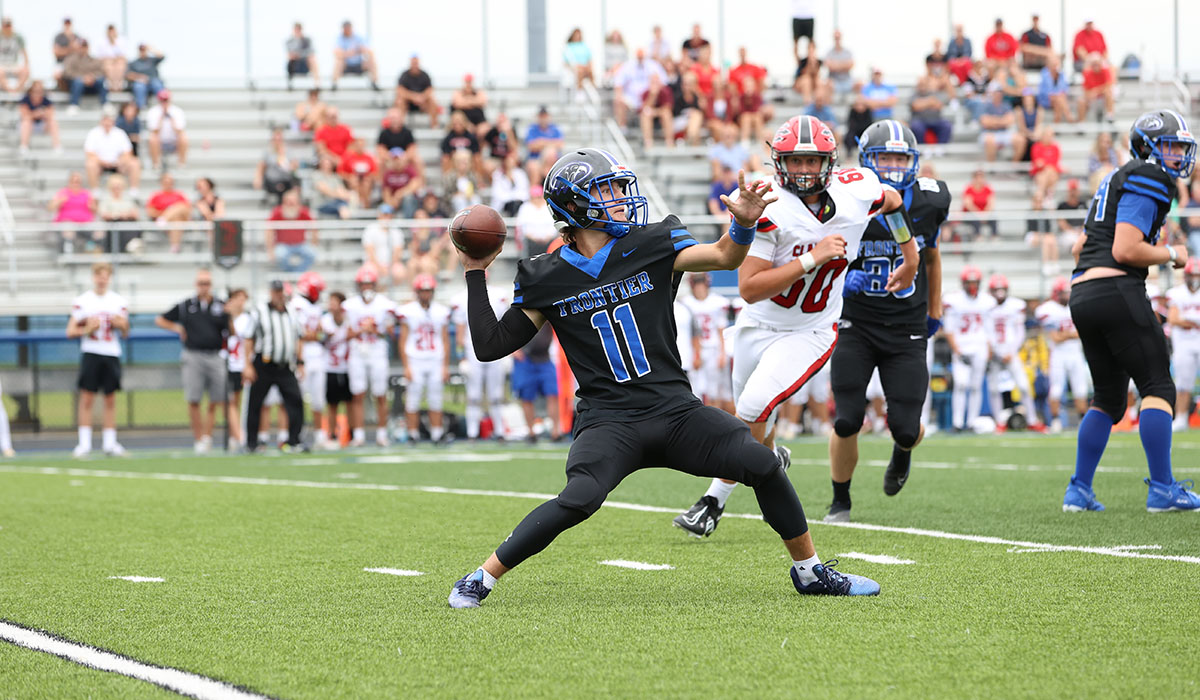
[[265, 584]]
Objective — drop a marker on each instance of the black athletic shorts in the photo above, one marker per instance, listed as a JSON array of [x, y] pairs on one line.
[[297, 66], [475, 115], [99, 373], [899, 353], [802, 27], [235, 381], [337, 388], [1122, 339]]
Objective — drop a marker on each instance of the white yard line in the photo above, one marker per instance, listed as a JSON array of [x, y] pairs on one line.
[[875, 558], [639, 565], [172, 679], [140, 579], [261, 481], [395, 572]]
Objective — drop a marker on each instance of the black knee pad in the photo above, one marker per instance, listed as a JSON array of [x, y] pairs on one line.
[[904, 422], [1112, 404], [845, 428], [906, 439], [583, 494]]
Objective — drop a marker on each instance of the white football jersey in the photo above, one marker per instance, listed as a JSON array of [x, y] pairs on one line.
[[1053, 316], [458, 315], [685, 329], [964, 317], [381, 310], [308, 315], [337, 343], [710, 315], [1006, 326], [425, 326], [788, 229], [235, 343], [1188, 303], [104, 340]]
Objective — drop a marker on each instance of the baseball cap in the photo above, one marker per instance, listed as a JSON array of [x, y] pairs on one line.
[[1073, 184], [467, 78], [163, 94], [276, 285]]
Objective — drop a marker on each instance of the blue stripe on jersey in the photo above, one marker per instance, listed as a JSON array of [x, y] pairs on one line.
[[588, 266], [1138, 210], [518, 299], [1143, 180], [679, 232], [516, 286], [1149, 193], [684, 243]]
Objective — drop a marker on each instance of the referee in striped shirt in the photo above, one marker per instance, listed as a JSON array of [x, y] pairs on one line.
[[273, 344]]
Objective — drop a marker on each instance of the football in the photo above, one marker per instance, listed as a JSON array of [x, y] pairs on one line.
[[478, 231]]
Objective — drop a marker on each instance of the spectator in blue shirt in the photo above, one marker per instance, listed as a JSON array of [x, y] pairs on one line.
[[725, 183], [544, 138], [960, 45], [881, 96], [1054, 90], [352, 57], [821, 110], [728, 153], [578, 59]]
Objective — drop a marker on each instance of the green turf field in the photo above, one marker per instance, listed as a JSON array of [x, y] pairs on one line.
[[264, 582]]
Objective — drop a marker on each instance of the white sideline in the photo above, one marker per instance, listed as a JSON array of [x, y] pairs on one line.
[[639, 565], [875, 558], [262, 481], [140, 579], [172, 679], [394, 572]]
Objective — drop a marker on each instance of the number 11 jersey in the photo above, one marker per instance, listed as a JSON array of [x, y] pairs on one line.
[[789, 228], [614, 317]]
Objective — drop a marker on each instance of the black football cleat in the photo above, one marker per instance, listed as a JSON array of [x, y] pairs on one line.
[[839, 512], [784, 454], [701, 519], [897, 471]]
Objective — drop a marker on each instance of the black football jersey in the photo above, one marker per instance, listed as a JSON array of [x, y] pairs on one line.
[[1136, 177], [614, 317], [928, 204]]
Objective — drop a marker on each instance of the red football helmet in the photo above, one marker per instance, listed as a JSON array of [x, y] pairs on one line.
[[807, 136], [1060, 289], [366, 275], [997, 281], [1192, 267], [310, 285], [422, 283]]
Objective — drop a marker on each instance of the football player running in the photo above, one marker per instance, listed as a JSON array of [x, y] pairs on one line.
[[887, 331], [964, 313], [1183, 313], [1121, 336], [792, 282], [608, 294]]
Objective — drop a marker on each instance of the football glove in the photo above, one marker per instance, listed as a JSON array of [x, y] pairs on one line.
[[856, 281], [932, 325]]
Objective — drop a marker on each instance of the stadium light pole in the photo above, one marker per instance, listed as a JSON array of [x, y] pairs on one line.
[[246, 42], [483, 4]]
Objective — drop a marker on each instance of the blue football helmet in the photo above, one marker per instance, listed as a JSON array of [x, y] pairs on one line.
[[584, 187], [1153, 131], [890, 136]]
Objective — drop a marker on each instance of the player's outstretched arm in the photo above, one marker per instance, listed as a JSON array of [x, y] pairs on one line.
[[897, 220], [730, 250], [495, 338]]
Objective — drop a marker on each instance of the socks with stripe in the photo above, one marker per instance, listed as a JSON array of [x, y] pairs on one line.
[[1094, 430], [1154, 427]]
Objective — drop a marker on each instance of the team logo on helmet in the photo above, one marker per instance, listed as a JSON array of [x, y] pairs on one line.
[[1151, 122], [575, 171], [782, 133]]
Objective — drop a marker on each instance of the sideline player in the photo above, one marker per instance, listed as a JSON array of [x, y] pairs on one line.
[[6, 446], [483, 379], [1121, 336], [97, 317], [424, 347], [792, 283], [1006, 335], [608, 295], [371, 315], [1067, 365], [710, 312], [964, 312], [336, 333], [312, 384], [887, 331], [235, 362], [1183, 314]]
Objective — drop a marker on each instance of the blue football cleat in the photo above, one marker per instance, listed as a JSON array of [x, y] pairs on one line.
[[1080, 498], [831, 582], [469, 591], [1167, 497]]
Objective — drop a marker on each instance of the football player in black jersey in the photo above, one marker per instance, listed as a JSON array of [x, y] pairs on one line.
[[609, 295], [883, 329], [1121, 336]]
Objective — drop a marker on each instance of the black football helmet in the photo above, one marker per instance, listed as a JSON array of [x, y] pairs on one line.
[[1153, 131], [568, 191], [890, 136]]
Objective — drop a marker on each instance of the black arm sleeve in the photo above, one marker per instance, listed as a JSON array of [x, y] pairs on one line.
[[494, 339]]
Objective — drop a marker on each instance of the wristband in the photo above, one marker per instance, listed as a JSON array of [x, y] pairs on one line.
[[808, 262], [898, 223], [1171, 254], [742, 235]]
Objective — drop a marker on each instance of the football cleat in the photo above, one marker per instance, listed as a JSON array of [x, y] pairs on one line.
[[832, 582], [784, 454], [839, 512], [81, 451], [116, 451], [701, 519], [1080, 498], [1163, 498], [896, 475], [469, 591]]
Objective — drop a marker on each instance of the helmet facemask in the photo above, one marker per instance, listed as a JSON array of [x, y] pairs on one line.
[[804, 184], [900, 177]]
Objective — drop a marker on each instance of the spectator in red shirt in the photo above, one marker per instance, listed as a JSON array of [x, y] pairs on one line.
[[706, 72], [170, 205], [745, 69], [332, 138], [286, 246], [977, 197], [753, 111], [1098, 83], [1000, 47], [403, 177], [1087, 41], [657, 103], [359, 171], [1045, 163]]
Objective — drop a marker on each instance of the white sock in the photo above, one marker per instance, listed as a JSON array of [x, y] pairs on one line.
[[435, 433], [108, 438], [360, 434], [283, 436], [804, 568], [473, 415], [322, 437], [85, 436], [381, 433], [720, 490], [5, 436], [263, 438], [489, 581]]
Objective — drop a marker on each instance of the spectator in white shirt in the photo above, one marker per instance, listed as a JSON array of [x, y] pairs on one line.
[[510, 186], [107, 150], [114, 52], [383, 247], [660, 49], [14, 59], [167, 126], [631, 82], [535, 224]]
